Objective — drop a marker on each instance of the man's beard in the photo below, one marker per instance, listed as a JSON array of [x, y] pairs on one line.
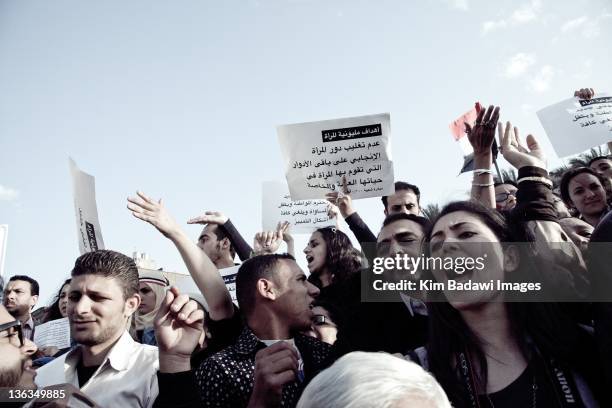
[[18, 310], [10, 376], [91, 339]]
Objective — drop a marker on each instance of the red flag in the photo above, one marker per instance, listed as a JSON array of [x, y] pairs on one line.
[[457, 127]]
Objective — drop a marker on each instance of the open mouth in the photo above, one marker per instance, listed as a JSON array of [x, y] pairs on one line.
[[309, 258], [455, 275]]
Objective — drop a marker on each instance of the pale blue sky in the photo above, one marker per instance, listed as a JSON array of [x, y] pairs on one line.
[[181, 100]]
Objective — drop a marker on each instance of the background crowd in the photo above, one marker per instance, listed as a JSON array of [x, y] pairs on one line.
[[308, 338]]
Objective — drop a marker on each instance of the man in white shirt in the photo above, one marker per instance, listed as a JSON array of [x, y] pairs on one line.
[[108, 366]]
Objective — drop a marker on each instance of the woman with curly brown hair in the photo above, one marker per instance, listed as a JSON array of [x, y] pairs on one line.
[[331, 257]]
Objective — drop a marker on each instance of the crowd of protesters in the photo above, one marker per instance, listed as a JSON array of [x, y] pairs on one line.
[[310, 339]]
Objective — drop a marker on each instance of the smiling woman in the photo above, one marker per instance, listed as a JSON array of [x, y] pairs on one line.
[[583, 190]]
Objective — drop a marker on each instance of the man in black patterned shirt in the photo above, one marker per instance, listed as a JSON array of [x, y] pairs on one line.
[[271, 362]]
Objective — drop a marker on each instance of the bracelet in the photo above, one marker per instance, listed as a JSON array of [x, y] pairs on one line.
[[543, 180], [483, 184], [480, 172]]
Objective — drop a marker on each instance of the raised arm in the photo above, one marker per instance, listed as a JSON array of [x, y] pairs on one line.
[[202, 270], [344, 203], [288, 238], [268, 242], [215, 217], [588, 93], [481, 137], [535, 209], [178, 326]]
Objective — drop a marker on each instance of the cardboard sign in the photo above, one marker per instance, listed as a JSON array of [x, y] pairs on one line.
[[88, 227], [318, 154], [304, 216], [575, 125]]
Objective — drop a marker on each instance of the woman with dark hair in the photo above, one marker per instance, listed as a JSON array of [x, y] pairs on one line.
[[331, 257], [486, 347], [327, 319], [486, 351], [583, 191], [57, 309]]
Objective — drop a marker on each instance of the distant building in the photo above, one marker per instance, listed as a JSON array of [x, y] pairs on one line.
[[143, 260]]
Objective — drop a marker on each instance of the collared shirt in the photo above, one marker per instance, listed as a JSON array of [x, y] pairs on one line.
[[415, 306], [226, 378], [126, 378], [28, 329], [291, 342]]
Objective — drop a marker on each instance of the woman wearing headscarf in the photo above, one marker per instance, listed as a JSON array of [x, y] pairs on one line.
[[152, 290]]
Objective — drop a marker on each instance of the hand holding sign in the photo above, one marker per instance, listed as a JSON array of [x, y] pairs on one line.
[[515, 153], [318, 154], [343, 200], [584, 93], [579, 123]]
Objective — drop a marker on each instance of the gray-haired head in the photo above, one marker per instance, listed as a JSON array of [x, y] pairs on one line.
[[364, 380]]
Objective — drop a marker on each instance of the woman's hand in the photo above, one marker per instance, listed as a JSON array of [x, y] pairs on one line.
[[482, 135], [515, 153]]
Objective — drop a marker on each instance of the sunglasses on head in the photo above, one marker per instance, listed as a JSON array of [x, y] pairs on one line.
[[11, 328], [322, 320], [501, 197]]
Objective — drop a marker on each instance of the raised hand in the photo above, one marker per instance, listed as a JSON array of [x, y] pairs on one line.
[[267, 242], [342, 200], [209, 217], [275, 366], [584, 93], [288, 238], [283, 227], [515, 153], [482, 135], [178, 326], [153, 212]]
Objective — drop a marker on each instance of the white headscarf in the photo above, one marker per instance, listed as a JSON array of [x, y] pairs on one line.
[[159, 285]]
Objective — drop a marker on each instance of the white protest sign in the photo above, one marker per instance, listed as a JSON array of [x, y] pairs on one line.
[[576, 125], [303, 216], [186, 284], [229, 278], [318, 154], [84, 193], [54, 333], [3, 239]]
